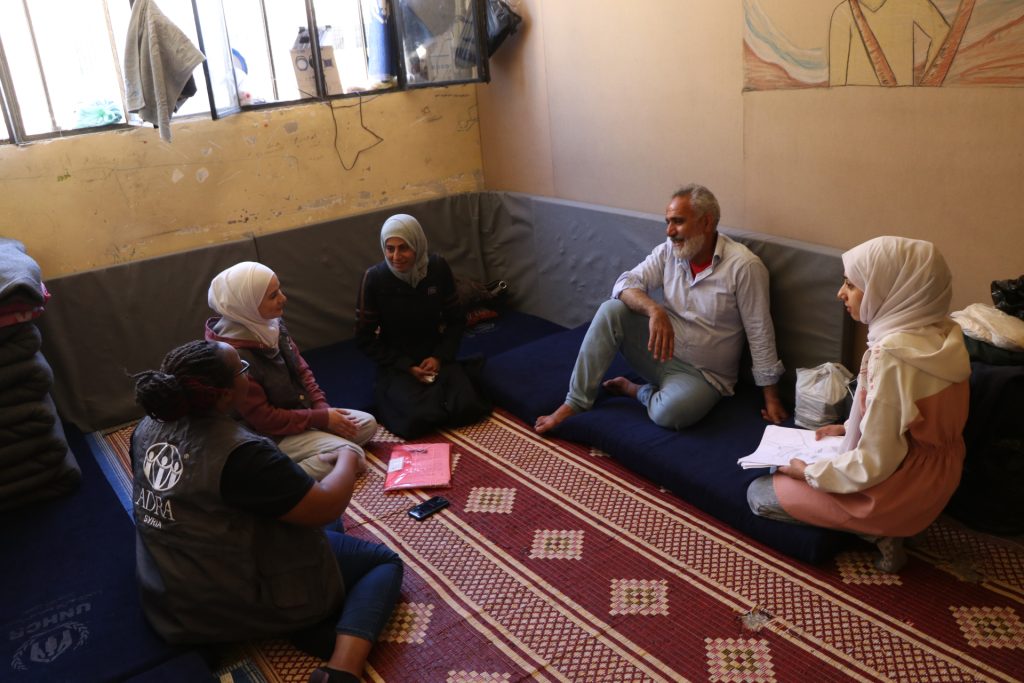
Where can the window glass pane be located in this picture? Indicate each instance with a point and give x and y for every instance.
(75, 52)
(265, 72)
(438, 41)
(180, 13)
(219, 65)
(355, 41)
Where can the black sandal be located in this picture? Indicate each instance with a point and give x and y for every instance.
(326, 674)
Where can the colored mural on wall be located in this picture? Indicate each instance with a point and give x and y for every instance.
(883, 43)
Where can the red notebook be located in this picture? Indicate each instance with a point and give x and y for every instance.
(419, 466)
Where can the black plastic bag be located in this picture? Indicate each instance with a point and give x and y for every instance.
(502, 22)
(1008, 296)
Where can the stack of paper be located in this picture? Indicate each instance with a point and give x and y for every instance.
(419, 466)
(779, 445)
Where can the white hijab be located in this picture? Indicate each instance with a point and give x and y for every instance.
(907, 286)
(906, 283)
(409, 229)
(236, 294)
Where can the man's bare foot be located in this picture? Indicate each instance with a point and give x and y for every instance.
(545, 423)
(620, 386)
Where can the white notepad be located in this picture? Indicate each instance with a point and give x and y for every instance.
(779, 445)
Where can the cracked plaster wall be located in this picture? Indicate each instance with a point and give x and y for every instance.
(98, 199)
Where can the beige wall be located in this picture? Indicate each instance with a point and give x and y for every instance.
(93, 200)
(617, 103)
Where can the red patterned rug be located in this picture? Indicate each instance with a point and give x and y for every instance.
(554, 563)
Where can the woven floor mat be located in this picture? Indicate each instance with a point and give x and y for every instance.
(555, 563)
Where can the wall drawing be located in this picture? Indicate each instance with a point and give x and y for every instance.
(882, 43)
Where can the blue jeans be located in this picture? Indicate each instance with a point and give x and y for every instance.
(372, 574)
(764, 503)
(676, 394)
(373, 578)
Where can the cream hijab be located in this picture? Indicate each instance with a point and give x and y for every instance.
(906, 284)
(236, 294)
(409, 229)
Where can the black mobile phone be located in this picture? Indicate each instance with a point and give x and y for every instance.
(427, 508)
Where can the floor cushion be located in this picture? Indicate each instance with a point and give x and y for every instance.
(698, 464)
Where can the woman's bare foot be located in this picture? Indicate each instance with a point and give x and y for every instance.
(545, 423)
(620, 386)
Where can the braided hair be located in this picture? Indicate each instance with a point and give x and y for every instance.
(190, 381)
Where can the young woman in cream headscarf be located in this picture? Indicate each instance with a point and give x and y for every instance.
(903, 450)
(408, 319)
(284, 400)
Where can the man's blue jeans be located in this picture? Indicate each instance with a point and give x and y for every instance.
(676, 394)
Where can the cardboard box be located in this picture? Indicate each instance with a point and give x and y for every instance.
(305, 73)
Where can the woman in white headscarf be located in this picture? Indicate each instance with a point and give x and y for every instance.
(903, 448)
(284, 400)
(409, 320)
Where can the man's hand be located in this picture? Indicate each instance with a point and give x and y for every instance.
(663, 338)
(829, 430)
(662, 342)
(340, 424)
(795, 469)
(773, 410)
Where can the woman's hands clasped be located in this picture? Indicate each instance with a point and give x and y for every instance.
(427, 370)
(344, 457)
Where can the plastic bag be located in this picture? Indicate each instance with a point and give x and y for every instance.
(502, 21)
(1008, 296)
(821, 394)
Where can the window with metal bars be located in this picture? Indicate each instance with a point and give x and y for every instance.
(61, 62)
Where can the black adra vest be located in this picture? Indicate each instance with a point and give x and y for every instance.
(210, 572)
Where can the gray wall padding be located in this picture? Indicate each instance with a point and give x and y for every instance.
(321, 266)
(811, 325)
(567, 255)
(560, 258)
(101, 324)
(563, 257)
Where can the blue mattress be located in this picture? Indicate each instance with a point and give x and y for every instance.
(697, 464)
(70, 607)
(346, 374)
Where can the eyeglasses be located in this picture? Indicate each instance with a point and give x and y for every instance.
(245, 368)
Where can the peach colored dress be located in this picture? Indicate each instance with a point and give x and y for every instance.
(906, 464)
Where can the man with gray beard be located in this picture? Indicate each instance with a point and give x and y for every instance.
(688, 348)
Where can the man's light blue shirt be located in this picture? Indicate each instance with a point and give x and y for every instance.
(711, 312)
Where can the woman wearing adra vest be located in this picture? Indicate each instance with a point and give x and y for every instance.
(284, 400)
(230, 544)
